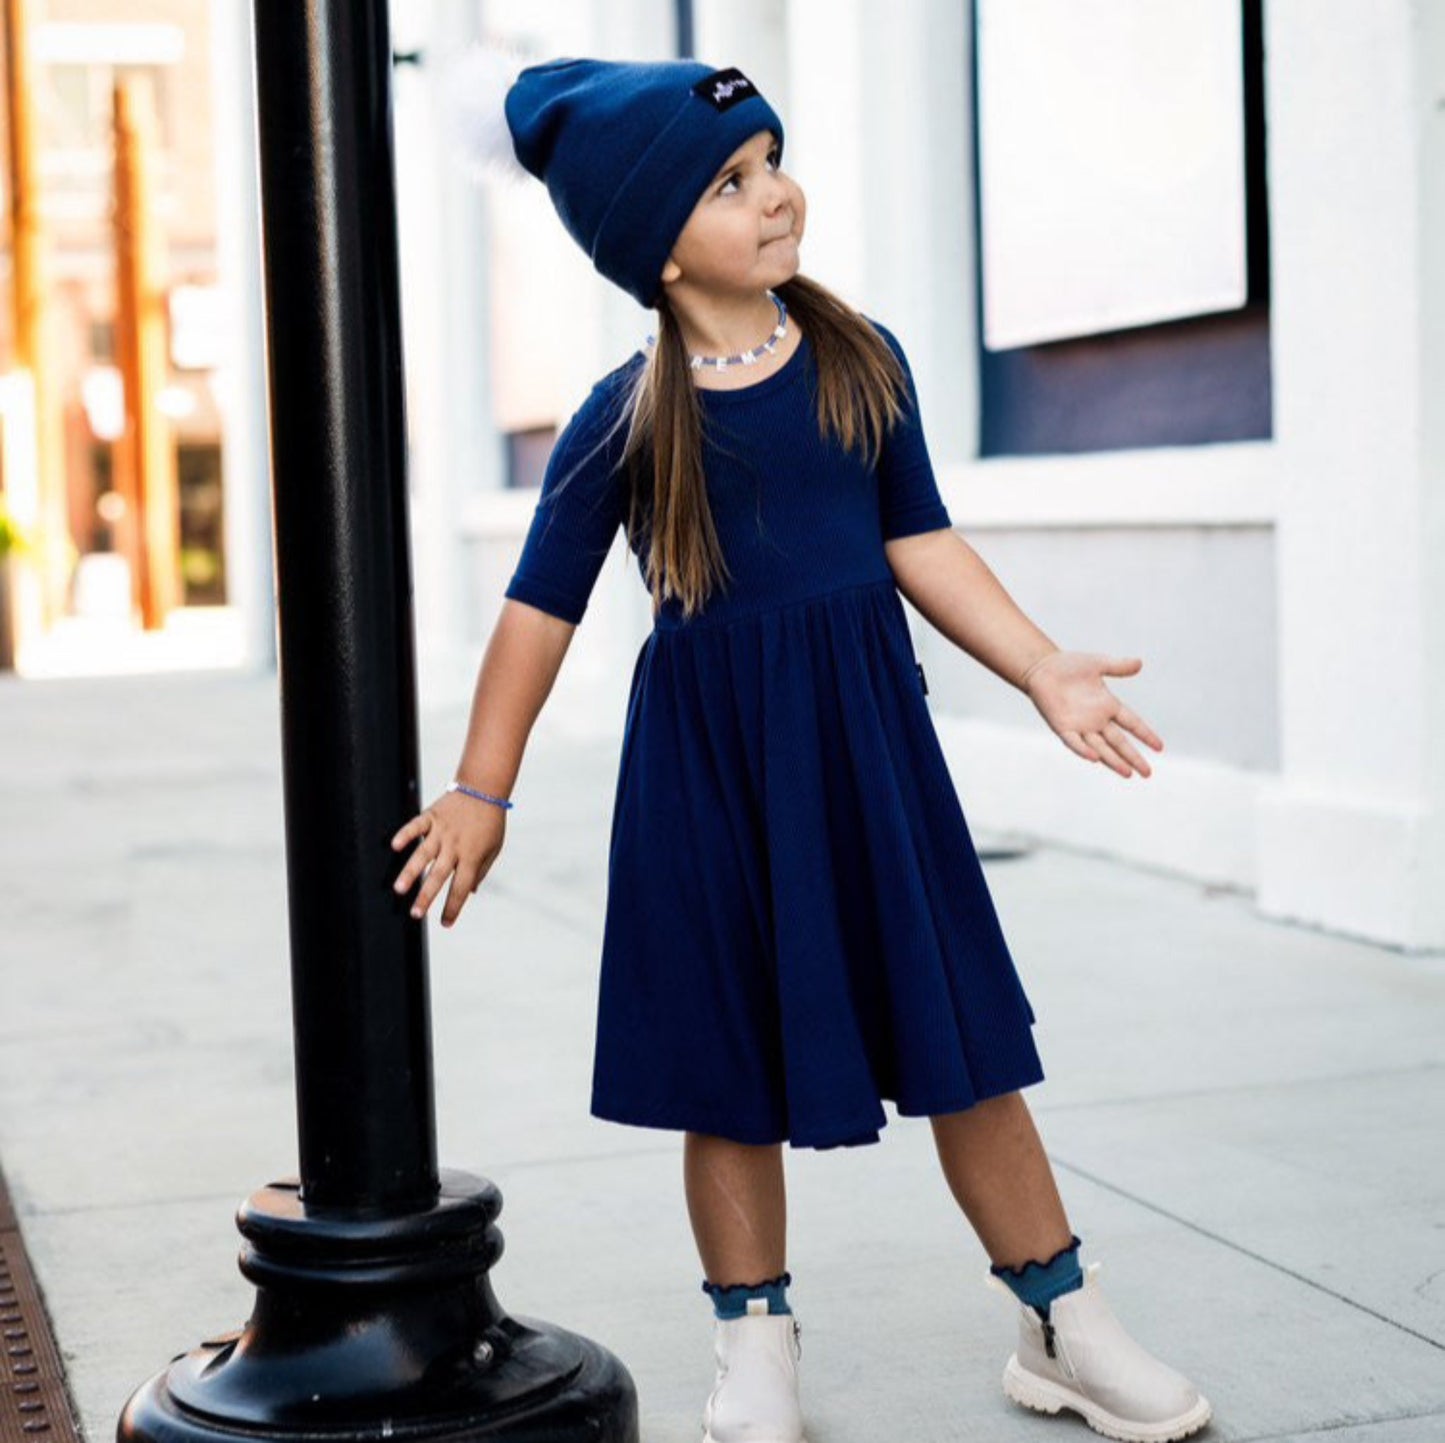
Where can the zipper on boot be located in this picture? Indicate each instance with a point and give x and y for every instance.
(1054, 1351)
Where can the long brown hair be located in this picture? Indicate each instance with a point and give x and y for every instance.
(860, 396)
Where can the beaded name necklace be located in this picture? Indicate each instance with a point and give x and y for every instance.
(746, 358)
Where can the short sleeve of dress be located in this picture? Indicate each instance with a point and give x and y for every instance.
(581, 505)
(908, 497)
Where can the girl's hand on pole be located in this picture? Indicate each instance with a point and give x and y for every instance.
(1068, 689)
(458, 837)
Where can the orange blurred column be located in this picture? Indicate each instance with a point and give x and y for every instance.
(34, 346)
(145, 458)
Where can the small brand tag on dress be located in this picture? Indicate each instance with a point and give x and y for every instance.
(757, 1305)
(923, 680)
(724, 89)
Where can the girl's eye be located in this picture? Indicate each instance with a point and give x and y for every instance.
(773, 156)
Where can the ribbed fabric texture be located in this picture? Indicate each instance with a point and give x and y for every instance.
(1038, 1282)
(797, 923)
(627, 148)
(785, 500)
(730, 1300)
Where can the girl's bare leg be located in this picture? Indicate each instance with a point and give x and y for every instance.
(737, 1204)
(1000, 1176)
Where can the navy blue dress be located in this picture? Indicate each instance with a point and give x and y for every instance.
(797, 923)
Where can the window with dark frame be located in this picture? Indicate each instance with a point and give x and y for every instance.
(1190, 381)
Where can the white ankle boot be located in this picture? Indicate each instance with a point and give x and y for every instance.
(1084, 1360)
(755, 1398)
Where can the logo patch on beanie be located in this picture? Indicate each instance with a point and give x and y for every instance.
(724, 89)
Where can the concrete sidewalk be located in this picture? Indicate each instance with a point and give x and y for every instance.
(1246, 1119)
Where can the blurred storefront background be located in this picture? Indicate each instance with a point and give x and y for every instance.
(1170, 275)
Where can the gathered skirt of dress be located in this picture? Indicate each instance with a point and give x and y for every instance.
(797, 921)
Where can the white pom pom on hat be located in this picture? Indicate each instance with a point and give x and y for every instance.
(472, 86)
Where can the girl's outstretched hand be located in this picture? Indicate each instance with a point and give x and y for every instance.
(1068, 689)
(458, 837)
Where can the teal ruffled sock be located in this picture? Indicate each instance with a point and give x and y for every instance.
(1039, 1283)
(731, 1300)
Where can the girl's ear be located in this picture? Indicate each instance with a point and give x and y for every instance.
(671, 271)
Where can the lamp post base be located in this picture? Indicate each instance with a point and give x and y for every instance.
(382, 1327)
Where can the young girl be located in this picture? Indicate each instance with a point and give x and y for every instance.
(797, 923)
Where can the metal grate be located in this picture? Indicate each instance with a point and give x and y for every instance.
(34, 1405)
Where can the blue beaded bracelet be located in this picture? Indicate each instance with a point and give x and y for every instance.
(480, 796)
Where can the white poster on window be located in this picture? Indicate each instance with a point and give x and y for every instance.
(1111, 164)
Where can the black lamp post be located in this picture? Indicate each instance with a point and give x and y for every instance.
(374, 1314)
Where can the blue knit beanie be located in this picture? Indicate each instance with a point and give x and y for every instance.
(626, 149)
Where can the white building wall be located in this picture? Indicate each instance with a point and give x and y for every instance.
(241, 378)
(1349, 832)
(1285, 595)
(1428, 51)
